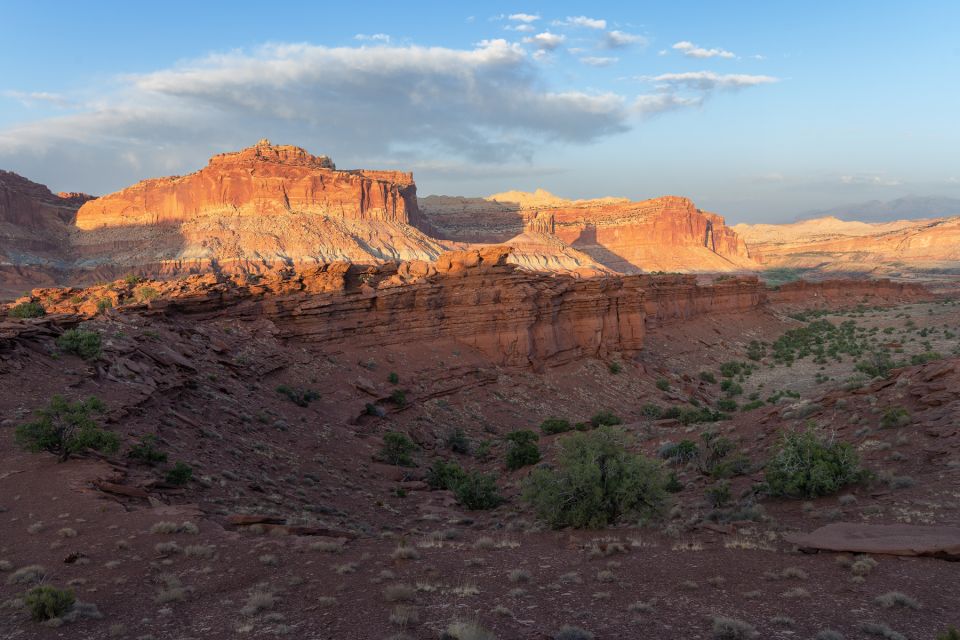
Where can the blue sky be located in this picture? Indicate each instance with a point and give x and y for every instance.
(758, 111)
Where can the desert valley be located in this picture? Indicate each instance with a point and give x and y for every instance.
(479, 321)
(285, 398)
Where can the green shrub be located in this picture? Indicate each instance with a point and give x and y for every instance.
(477, 491)
(719, 494)
(179, 474)
(756, 351)
(730, 369)
(951, 633)
(895, 417)
(27, 310)
(523, 449)
(727, 404)
(131, 279)
(393, 378)
(651, 410)
(146, 451)
(615, 367)
(605, 419)
(673, 484)
(46, 602)
(596, 482)
(806, 466)
(750, 406)
(103, 304)
(147, 293)
(681, 452)
(299, 397)
(457, 441)
(555, 425)
(397, 448)
(706, 376)
(81, 342)
(65, 428)
(663, 384)
(399, 397)
(483, 450)
(444, 475)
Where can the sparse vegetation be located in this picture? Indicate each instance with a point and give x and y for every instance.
(46, 602)
(29, 309)
(733, 629)
(81, 342)
(397, 449)
(555, 425)
(477, 491)
(146, 451)
(299, 397)
(806, 466)
(596, 482)
(523, 450)
(66, 428)
(179, 474)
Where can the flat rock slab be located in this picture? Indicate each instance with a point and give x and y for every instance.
(939, 541)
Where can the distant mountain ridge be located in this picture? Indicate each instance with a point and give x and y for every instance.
(906, 208)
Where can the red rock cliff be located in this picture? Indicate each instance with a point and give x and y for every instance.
(33, 221)
(847, 293)
(260, 180)
(662, 234)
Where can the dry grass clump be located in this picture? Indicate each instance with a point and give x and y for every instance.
(200, 550)
(568, 632)
(5, 565)
(605, 576)
(465, 590)
(399, 592)
(460, 630)
(571, 578)
(269, 559)
(733, 629)
(502, 611)
(260, 599)
(828, 634)
(404, 616)
(326, 601)
(35, 528)
(604, 547)
(486, 542)
(67, 532)
(716, 581)
(794, 572)
(171, 590)
(896, 599)
(343, 569)
(167, 527)
(166, 548)
(798, 592)
(640, 607)
(881, 630)
(863, 565)
(519, 575)
(405, 552)
(27, 574)
(602, 595)
(782, 621)
(327, 546)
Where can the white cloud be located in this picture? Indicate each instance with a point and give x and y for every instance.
(31, 98)
(484, 104)
(546, 40)
(582, 21)
(523, 17)
(654, 103)
(599, 61)
(870, 180)
(376, 37)
(691, 50)
(522, 27)
(708, 80)
(617, 39)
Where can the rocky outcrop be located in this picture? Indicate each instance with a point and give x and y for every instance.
(33, 221)
(847, 293)
(674, 298)
(514, 317)
(662, 234)
(832, 245)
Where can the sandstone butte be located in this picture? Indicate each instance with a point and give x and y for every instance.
(663, 234)
(830, 244)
